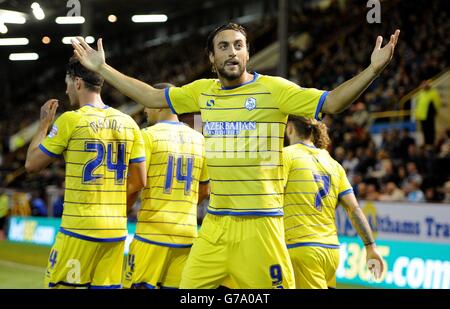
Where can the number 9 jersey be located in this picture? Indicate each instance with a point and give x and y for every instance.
(97, 145)
(314, 183)
(175, 166)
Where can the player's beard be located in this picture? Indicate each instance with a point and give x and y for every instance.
(222, 72)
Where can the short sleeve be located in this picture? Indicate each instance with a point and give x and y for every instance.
(184, 99)
(204, 175)
(344, 185)
(295, 100)
(287, 162)
(148, 145)
(138, 149)
(58, 139)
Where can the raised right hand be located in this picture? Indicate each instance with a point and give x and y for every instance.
(90, 58)
(48, 111)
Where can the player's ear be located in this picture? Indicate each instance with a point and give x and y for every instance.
(289, 128)
(77, 83)
(211, 58)
(248, 52)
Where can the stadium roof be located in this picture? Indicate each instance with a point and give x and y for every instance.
(96, 13)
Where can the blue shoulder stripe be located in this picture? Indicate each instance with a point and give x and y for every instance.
(48, 152)
(169, 102)
(137, 160)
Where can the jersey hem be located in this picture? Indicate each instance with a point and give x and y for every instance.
(88, 238)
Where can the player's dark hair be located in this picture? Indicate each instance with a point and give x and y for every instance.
(92, 80)
(307, 128)
(229, 26)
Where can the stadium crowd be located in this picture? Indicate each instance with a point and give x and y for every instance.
(392, 168)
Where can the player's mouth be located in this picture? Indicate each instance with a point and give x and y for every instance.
(232, 63)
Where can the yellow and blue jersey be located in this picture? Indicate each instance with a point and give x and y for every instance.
(314, 183)
(244, 131)
(97, 145)
(175, 166)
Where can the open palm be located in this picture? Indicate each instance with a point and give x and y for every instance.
(90, 58)
(382, 56)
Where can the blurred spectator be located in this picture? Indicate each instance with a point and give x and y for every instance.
(427, 106)
(38, 207)
(350, 163)
(392, 193)
(361, 117)
(20, 204)
(413, 174)
(414, 194)
(447, 192)
(58, 206)
(362, 191)
(405, 141)
(372, 192)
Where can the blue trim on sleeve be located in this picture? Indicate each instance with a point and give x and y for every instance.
(168, 288)
(137, 237)
(166, 93)
(68, 233)
(255, 77)
(145, 284)
(137, 160)
(48, 152)
(105, 287)
(319, 106)
(247, 213)
(312, 244)
(348, 191)
(203, 182)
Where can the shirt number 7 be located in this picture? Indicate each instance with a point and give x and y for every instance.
(323, 191)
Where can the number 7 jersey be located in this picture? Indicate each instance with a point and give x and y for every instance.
(175, 166)
(97, 145)
(314, 183)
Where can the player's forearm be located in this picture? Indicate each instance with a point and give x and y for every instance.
(361, 226)
(30, 163)
(136, 90)
(131, 199)
(345, 94)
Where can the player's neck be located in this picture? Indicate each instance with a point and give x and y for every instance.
(172, 118)
(92, 99)
(297, 140)
(244, 78)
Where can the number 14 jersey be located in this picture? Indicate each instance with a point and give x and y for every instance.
(175, 166)
(97, 145)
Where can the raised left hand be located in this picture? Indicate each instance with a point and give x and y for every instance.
(382, 56)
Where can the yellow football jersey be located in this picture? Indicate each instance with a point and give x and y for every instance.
(244, 131)
(314, 183)
(176, 164)
(97, 144)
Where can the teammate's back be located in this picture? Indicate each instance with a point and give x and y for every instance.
(104, 155)
(176, 164)
(100, 144)
(314, 183)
